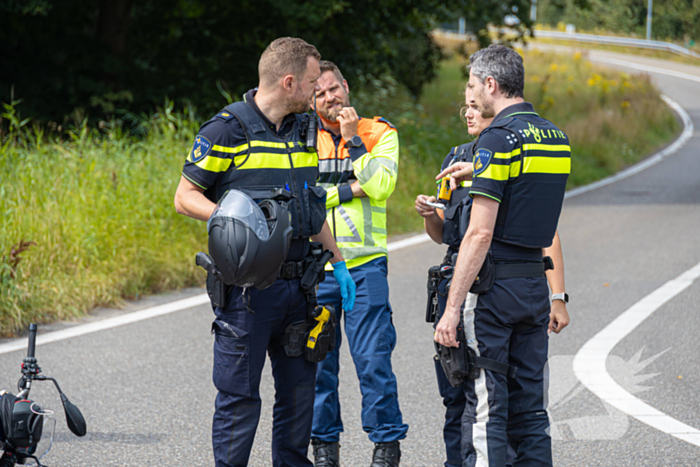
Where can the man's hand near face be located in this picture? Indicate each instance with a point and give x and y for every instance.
(348, 120)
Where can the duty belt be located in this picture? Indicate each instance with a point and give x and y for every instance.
(523, 270)
(508, 270)
(292, 269)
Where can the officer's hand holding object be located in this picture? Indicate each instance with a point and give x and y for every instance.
(446, 330)
(347, 286)
(422, 208)
(461, 172)
(348, 120)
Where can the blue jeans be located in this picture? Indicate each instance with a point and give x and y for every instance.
(371, 337)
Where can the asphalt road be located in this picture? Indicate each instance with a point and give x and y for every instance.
(146, 392)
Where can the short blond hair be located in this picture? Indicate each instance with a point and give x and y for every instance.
(327, 65)
(286, 55)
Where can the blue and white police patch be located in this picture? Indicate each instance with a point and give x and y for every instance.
(201, 148)
(482, 159)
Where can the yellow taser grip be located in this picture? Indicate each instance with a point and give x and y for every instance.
(445, 194)
(322, 320)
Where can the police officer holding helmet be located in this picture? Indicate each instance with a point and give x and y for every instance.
(519, 172)
(256, 159)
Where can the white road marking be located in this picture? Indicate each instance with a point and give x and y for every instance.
(108, 323)
(590, 369)
(406, 242)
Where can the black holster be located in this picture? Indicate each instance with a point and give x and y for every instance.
(314, 337)
(435, 275)
(485, 277)
(461, 363)
(217, 289)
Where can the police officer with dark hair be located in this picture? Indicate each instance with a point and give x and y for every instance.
(261, 148)
(498, 302)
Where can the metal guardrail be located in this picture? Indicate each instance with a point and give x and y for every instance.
(592, 38)
(611, 40)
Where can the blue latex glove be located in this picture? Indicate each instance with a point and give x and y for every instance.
(347, 286)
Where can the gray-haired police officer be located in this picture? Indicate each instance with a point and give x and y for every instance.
(260, 148)
(521, 164)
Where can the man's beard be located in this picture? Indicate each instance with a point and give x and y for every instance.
(299, 106)
(332, 114)
(485, 107)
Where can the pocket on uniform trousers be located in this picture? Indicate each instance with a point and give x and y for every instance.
(231, 359)
(386, 340)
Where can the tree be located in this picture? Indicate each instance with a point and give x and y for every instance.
(99, 56)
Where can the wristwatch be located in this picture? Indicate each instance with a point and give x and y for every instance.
(354, 142)
(561, 296)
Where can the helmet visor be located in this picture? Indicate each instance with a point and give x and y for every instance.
(237, 205)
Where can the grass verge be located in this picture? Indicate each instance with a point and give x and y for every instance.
(88, 217)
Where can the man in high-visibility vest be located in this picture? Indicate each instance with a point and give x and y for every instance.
(358, 164)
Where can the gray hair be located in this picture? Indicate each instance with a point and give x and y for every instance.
(502, 64)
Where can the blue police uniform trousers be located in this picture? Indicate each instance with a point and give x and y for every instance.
(454, 401)
(508, 324)
(243, 332)
(371, 337)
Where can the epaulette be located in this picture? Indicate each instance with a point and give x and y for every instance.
(502, 122)
(384, 120)
(224, 115)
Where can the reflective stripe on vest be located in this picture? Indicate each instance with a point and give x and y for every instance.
(358, 225)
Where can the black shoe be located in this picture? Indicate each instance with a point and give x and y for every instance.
(386, 454)
(326, 454)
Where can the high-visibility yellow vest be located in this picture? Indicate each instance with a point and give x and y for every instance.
(359, 224)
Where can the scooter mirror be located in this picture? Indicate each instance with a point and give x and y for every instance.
(74, 419)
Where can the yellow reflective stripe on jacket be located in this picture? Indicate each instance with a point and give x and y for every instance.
(534, 147)
(496, 172)
(548, 147)
(266, 160)
(227, 150)
(259, 160)
(547, 165)
(214, 164)
(533, 164)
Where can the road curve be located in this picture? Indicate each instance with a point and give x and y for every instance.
(145, 387)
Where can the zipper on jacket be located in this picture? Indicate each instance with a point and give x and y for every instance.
(335, 175)
(294, 186)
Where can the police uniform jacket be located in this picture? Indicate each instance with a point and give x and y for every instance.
(239, 148)
(523, 162)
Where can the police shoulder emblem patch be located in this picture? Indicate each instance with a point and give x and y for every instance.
(482, 159)
(201, 148)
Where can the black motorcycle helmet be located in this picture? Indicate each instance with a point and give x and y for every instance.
(249, 241)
